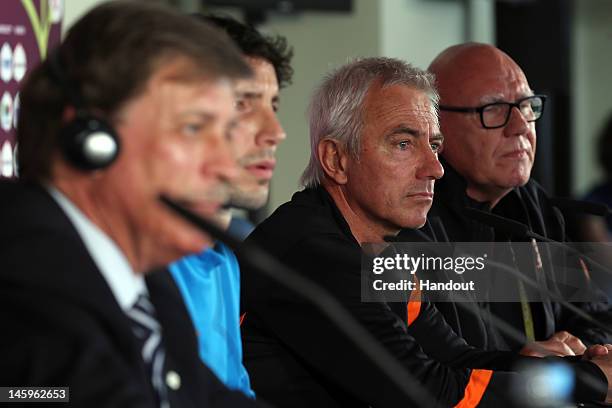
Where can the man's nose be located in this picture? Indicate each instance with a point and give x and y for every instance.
(271, 132)
(517, 123)
(430, 168)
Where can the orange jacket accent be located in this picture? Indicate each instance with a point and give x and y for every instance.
(479, 379)
(414, 303)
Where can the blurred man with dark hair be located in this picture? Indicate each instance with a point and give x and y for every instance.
(83, 225)
(210, 281)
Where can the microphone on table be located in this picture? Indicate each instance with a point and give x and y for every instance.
(519, 230)
(582, 206)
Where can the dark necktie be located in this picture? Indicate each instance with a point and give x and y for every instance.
(147, 331)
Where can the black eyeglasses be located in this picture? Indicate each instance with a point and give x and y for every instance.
(495, 115)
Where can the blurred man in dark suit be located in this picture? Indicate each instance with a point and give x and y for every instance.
(136, 103)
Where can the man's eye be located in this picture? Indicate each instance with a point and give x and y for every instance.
(242, 105)
(436, 147)
(496, 108)
(403, 145)
(192, 129)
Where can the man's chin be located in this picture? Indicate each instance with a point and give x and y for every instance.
(249, 200)
(515, 180)
(415, 222)
(517, 176)
(195, 244)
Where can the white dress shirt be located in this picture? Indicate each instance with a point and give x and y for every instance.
(125, 284)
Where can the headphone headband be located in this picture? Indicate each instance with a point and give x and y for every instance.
(87, 141)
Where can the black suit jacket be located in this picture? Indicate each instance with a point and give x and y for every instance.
(63, 326)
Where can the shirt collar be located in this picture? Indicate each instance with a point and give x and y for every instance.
(125, 284)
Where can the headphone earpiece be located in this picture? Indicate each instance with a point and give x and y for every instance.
(87, 141)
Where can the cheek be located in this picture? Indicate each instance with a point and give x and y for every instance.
(243, 138)
(492, 145)
(173, 154)
(460, 151)
(381, 184)
(240, 152)
(457, 132)
(486, 152)
(173, 158)
(532, 138)
(173, 169)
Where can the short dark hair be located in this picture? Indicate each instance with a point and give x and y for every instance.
(252, 43)
(108, 57)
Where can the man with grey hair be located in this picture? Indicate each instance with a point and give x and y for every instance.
(375, 139)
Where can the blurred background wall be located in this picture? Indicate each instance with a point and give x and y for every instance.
(416, 30)
(591, 85)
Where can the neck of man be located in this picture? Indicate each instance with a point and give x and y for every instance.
(491, 195)
(82, 193)
(223, 218)
(363, 228)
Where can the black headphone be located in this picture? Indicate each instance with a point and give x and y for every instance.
(88, 141)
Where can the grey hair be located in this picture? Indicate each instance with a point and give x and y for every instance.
(335, 110)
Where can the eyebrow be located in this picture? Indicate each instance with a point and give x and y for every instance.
(437, 137)
(249, 94)
(499, 98)
(492, 99)
(205, 116)
(254, 95)
(403, 129)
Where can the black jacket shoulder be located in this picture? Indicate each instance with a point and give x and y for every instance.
(67, 329)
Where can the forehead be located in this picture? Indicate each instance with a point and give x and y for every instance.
(175, 81)
(399, 104)
(483, 75)
(264, 75)
(169, 97)
(175, 92)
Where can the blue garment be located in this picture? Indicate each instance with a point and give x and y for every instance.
(240, 228)
(210, 285)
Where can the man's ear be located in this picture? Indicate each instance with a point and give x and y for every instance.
(334, 160)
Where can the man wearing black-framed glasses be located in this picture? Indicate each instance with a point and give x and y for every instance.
(497, 114)
(487, 116)
(488, 110)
